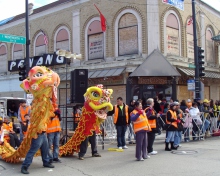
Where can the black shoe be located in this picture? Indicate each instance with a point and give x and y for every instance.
(172, 146)
(167, 146)
(96, 155)
(57, 160)
(48, 165)
(24, 170)
(50, 161)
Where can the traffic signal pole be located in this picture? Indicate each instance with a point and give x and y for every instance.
(27, 37)
(197, 83)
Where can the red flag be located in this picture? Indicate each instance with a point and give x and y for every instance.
(190, 21)
(103, 20)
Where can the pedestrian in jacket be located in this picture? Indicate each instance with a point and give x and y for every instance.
(141, 127)
(121, 121)
(171, 120)
(152, 116)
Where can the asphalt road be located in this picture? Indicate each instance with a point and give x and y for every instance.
(199, 158)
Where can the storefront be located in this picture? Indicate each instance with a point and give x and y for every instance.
(154, 77)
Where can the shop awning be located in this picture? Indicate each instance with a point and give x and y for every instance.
(105, 73)
(191, 72)
(155, 65)
(216, 38)
(97, 73)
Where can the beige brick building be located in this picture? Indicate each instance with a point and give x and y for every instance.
(134, 30)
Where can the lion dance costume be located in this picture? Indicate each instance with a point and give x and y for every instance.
(42, 82)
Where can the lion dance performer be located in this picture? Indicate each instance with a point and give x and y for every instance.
(42, 83)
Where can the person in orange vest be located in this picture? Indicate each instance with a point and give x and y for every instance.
(53, 135)
(25, 125)
(141, 127)
(23, 109)
(8, 127)
(152, 116)
(171, 120)
(121, 121)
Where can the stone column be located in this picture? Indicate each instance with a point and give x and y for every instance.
(153, 25)
(76, 31)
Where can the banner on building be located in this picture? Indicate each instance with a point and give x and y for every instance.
(44, 60)
(173, 41)
(96, 46)
(176, 3)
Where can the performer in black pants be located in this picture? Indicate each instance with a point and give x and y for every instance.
(84, 146)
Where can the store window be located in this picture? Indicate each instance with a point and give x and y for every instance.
(95, 40)
(128, 35)
(3, 58)
(40, 46)
(172, 35)
(18, 52)
(62, 40)
(209, 47)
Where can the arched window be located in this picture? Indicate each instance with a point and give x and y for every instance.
(172, 35)
(62, 39)
(209, 46)
(40, 46)
(18, 52)
(128, 35)
(3, 58)
(190, 42)
(95, 40)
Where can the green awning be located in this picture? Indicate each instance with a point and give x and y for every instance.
(216, 38)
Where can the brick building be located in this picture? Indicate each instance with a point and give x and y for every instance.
(135, 30)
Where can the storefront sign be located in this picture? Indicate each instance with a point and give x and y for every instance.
(190, 46)
(45, 60)
(176, 3)
(96, 46)
(152, 80)
(173, 41)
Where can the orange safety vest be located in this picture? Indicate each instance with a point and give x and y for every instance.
(54, 125)
(116, 114)
(23, 112)
(174, 116)
(8, 127)
(153, 122)
(141, 123)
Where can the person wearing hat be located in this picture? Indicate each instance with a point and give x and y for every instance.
(189, 103)
(171, 120)
(205, 108)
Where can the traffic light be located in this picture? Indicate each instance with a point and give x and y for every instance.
(22, 72)
(201, 61)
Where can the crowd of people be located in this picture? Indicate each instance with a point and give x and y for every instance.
(143, 118)
(146, 118)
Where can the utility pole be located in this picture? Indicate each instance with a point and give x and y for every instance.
(197, 82)
(27, 37)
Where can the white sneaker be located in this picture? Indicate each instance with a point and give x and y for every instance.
(142, 159)
(147, 157)
(119, 147)
(125, 147)
(153, 153)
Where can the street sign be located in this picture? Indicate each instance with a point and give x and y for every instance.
(191, 84)
(12, 39)
(192, 66)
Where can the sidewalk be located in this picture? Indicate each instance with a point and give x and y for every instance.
(199, 158)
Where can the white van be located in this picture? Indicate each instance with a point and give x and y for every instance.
(6, 103)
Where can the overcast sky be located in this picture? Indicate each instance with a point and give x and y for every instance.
(9, 8)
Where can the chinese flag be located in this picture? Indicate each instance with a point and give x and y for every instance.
(103, 20)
